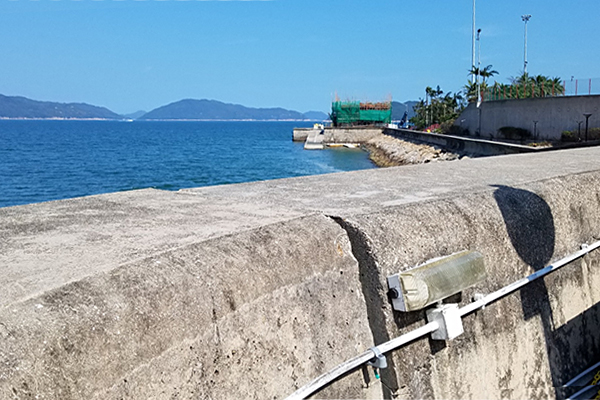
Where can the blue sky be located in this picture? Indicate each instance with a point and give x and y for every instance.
(129, 55)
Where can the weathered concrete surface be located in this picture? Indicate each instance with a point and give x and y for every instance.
(462, 145)
(359, 134)
(240, 314)
(554, 115)
(314, 141)
(519, 347)
(350, 135)
(300, 134)
(251, 290)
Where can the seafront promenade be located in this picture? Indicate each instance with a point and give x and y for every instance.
(252, 290)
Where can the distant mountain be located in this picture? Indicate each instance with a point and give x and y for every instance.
(316, 116)
(216, 110)
(135, 115)
(22, 107)
(398, 109)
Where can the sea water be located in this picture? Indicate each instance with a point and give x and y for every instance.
(52, 160)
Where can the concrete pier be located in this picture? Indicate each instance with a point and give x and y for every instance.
(252, 290)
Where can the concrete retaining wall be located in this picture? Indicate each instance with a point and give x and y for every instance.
(252, 290)
(460, 145)
(340, 135)
(524, 346)
(554, 115)
(351, 135)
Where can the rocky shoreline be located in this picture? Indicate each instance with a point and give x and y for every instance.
(388, 151)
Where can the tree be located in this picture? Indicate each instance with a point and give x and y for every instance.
(485, 73)
(471, 87)
(437, 108)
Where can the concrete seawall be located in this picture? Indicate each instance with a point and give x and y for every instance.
(339, 135)
(252, 290)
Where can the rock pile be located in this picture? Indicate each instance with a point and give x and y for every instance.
(387, 151)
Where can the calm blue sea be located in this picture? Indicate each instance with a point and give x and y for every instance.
(51, 160)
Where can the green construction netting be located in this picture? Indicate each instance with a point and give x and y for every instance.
(351, 112)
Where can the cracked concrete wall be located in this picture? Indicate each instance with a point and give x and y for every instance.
(250, 291)
(523, 346)
(246, 315)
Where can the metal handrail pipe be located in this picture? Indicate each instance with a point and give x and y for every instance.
(359, 360)
(505, 291)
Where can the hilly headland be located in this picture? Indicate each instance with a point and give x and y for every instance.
(18, 107)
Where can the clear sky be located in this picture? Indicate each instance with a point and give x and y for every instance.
(131, 55)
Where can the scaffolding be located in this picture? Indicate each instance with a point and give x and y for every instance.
(352, 113)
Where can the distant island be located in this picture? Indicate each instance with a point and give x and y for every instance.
(17, 107)
(190, 109)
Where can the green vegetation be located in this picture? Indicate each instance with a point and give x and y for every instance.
(513, 133)
(525, 86)
(439, 111)
(576, 136)
(437, 108)
(470, 88)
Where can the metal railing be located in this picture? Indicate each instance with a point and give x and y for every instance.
(552, 88)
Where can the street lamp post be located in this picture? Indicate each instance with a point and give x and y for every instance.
(587, 117)
(525, 19)
(579, 130)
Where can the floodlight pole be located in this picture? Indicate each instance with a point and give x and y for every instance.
(478, 86)
(478, 66)
(473, 47)
(525, 19)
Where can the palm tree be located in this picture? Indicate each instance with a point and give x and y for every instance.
(526, 86)
(485, 73)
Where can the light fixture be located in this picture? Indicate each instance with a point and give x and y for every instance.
(435, 280)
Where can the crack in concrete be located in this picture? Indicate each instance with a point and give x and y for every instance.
(373, 292)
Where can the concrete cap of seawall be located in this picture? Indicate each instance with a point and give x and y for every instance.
(97, 233)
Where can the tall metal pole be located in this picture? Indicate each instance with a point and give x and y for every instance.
(525, 19)
(478, 67)
(473, 49)
(479, 87)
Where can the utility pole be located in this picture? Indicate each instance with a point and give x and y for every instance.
(525, 19)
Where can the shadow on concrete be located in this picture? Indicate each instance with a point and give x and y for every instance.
(584, 348)
(530, 226)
